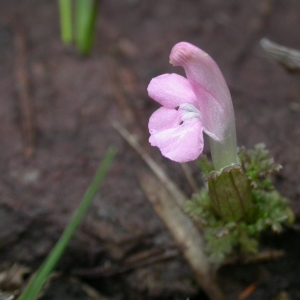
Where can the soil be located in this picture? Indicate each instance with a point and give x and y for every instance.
(54, 134)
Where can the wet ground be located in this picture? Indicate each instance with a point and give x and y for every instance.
(55, 126)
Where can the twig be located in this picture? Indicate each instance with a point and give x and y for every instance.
(120, 95)
(167, 200)
(261, 256)
(184, 232)
(288, 57)
(144, 255)
(264, 256)
(189, 177)
(247, 291)
(23, 89)
(134, 262)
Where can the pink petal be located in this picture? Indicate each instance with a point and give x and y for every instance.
(163, 118)
(212, 114)
(182, 143)
(209, 86)
(171, 90)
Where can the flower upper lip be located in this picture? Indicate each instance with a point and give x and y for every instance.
(209, 86)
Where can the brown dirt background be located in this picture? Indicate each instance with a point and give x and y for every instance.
(74, 101)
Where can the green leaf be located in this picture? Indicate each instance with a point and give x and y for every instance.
(86, 13)
(36, 284)
(65, 13)
(258, 165)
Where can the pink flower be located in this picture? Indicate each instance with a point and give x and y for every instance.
(200, 102)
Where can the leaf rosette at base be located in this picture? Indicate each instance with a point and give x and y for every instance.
(240, 203)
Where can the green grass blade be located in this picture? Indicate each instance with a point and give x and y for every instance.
(36, 284)
(65, 13)
(85, 15)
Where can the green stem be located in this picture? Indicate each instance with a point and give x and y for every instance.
(224, 153)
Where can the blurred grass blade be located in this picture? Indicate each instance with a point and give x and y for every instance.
(65, 13)
(85, 14)
(37, 282)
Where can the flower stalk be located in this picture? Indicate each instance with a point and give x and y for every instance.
(224, 153)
